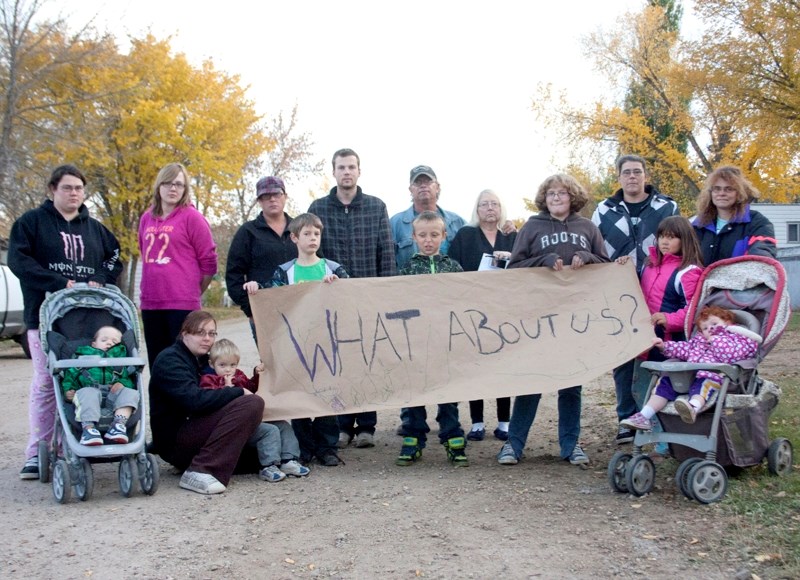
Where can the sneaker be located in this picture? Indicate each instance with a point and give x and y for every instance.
(476, 434)
(686, 410)
(91, 436)
(204, 483)
(365, 440)
(272, 474)
(578, 457)
(31, 469)
(294, 469)
(638, 422)
(118, 433)
(507, 455)
(624, 435)
(501, 434)
(344, 440)
(455, 447)
(329, 459)
(410, 452)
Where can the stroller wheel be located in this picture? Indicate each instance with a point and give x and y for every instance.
(148, 477)
(707, 481)
(44, 461)
(780, 457)
(682, 476)
(62, 482)
(640, 475)
(85, 484)
(128, 473)
(616, 471)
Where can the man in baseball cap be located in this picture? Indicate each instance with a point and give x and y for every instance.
(424, 188)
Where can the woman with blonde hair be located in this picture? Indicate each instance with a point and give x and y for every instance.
(178, 257)
(484, 236)
(725, 225)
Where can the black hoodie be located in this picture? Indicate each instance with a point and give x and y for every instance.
(543, 239)
(45, 251)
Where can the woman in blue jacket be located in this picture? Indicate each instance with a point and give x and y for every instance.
(725, 224)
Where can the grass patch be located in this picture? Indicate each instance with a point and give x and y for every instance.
(767, 507)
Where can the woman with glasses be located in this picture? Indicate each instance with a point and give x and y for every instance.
(178, 257)
(725, 224)
(482, 236)
(556, 238)
(201, 431)
(51, 248)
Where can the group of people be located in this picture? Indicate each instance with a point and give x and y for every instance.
(203, 418)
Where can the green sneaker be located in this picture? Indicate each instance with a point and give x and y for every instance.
(455, 447)
(410, 452)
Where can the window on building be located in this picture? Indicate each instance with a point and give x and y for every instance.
(793, 233)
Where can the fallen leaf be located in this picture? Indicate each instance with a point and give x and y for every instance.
(649, 537)
(702, 554)
(694, 541)
(289, 561)
(636, 506)
(311, 566)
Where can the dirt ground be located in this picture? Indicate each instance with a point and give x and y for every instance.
(542, 518)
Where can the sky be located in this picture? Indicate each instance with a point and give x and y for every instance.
(442, 83)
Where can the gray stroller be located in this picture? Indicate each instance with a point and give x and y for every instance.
(69, 318)
(733, 433)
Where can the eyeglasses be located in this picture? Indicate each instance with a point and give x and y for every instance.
(555, 194)
(629, 172)
(71, 188)
(486, 204)
(204, 333)
(726, 189)
(179, 185)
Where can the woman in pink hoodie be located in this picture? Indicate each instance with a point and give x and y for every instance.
(178, 256)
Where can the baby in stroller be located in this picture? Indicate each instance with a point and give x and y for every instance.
(81, 386)
(719, 340)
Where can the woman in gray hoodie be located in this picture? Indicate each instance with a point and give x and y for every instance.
(556, 238)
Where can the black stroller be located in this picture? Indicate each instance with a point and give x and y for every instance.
(735, 431)
(69, 318)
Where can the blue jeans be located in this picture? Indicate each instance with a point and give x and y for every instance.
(569, 420)
(316, 437)
(447, 417)
(366, 423)
(623, 383)
(274, 441)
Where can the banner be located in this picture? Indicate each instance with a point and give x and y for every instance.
(380, 343)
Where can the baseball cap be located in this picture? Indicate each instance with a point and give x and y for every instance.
(269, 184)
(422, 170)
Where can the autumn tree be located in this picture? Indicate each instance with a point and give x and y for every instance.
(740, 82)
(35, 91)
(290, 157)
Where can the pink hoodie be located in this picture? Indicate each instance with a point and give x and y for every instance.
(176, 252)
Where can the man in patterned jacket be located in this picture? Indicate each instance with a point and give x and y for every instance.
(628, 221)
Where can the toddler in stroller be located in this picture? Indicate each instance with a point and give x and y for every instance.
(82, 388)
(104, 383)
(719, 341)
(734, 433)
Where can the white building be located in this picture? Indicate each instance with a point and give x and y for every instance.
(786, 219)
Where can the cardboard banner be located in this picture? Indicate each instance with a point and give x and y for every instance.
(381, 343)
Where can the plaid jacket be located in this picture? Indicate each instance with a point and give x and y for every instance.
(358, 235)
(621, 237)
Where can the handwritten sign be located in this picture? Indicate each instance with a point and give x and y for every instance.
(379, 343)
